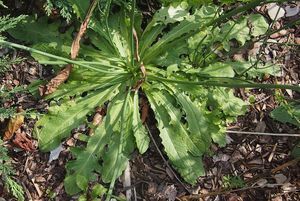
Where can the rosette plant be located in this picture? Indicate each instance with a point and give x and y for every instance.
(174, 62)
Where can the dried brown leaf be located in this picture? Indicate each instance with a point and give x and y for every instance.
(145, 110)
(13, 125)
(83, 27)
(64, 74)
(76, 42)
(54, 83)
(22, 141)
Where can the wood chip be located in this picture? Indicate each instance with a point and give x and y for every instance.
(280, 178)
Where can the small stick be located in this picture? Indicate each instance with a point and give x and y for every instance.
(215, 193)
(259, 133)
(285, 165)
(272, 153)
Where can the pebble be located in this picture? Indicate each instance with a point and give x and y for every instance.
(275, 12)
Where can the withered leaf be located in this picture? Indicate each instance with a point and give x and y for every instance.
(145, 110)
(97, 119)
(13, 125)
(60, 78)
(64, 74)
(22, 141)
(76, 42)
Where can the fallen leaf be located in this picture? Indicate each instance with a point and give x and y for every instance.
(145, 110)
(170, 192)
(22, 141)
(291, 11)
(76, 42)
(221, 157)
(262, 182)
(280, 178)
(97, 119)
(64, 74)
(54, 154)
(13, 125)
(275, 12)
(152, 188)
(288, 187)
(260, 127)
(60, 78)
(277, 198)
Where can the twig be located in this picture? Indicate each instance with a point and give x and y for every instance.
(127, 181)
(259, 133)
(272, 153)
(292, 162)
(222, 191)
(165, 161)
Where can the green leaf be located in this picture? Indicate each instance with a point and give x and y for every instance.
(98, 191)
(58, 123)
(87, 160)
(81, 80)
(234, 30)
(199, 126)
(182, 31)
(218, 70)
(141, 136)
(167, 15)
(112, 142)
(180, 148)
(81, 182)
(79, 7)
(225, 100)
(287, 113)
(254, 71)
(296, 151)
(121, 144)
(40, 31)
(259, 25)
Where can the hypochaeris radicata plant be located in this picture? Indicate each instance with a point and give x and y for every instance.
(177, 63)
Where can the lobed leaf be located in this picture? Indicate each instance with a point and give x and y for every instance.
(182, 151)
(141, 136)
(60, 120)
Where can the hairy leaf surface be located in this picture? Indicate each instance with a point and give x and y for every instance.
(60, 120)
(182, 151)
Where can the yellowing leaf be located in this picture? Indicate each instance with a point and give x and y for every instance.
(13, 125)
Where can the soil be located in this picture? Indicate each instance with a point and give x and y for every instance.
(254, 158)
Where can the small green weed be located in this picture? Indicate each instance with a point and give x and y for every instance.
(230, 182)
